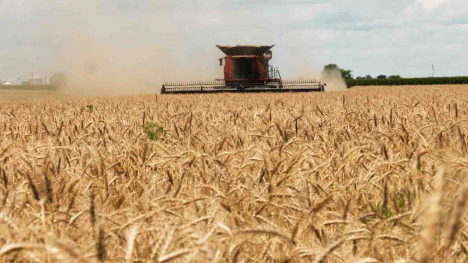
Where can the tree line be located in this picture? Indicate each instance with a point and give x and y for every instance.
(347, 73)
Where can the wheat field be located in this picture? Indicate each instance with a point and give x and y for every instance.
(375, 174)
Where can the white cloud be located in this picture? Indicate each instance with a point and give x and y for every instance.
(309, 12)
(426, 6)
(430, 5)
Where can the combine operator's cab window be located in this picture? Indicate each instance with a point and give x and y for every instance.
(244, 68)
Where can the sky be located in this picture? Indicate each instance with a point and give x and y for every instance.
(149, 41)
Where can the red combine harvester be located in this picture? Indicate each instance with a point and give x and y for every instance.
(246, 69)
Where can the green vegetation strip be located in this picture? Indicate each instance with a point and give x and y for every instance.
(413, 81)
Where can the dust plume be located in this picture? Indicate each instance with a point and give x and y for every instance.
(99, 68)
(306, 68)
(334, 80)
(121, 51)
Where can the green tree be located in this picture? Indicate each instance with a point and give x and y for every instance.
(381, 77)
(330, 67)
(346, 74)
(368, 77)
(394, 77)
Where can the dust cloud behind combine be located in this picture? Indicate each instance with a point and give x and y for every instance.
(106, 69)
(120, 51)
(308, 70)
(333, 80)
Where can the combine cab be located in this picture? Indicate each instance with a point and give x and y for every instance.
(246, 68)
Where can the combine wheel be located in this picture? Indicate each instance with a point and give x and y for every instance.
(240, 87)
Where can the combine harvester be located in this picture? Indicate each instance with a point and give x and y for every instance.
(246, 69)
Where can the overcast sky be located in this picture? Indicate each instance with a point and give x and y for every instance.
(374, 37)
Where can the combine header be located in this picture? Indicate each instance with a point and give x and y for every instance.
(246, 68)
